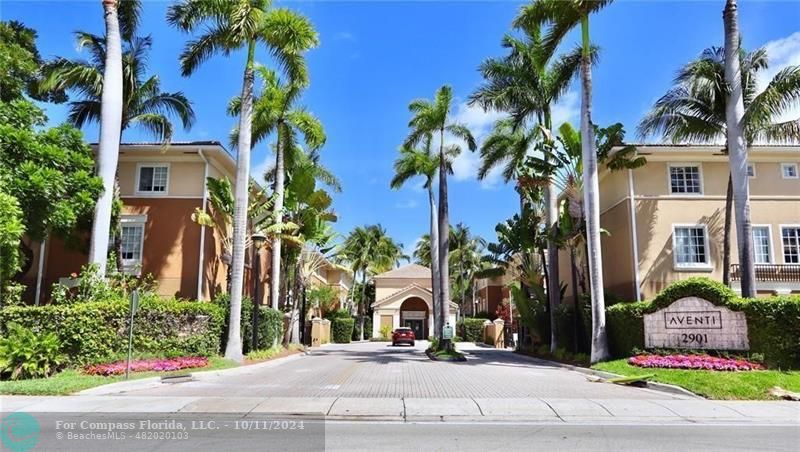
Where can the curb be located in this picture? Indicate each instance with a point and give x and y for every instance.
(155, 382)
(661, 387)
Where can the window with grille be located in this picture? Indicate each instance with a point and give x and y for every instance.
(761, 242)
(153, 179)
(132, 242)
(691, 249)
(790, 237)
(789, 170)
(685, 180)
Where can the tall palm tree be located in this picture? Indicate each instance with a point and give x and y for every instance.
(433, 118)
(694, 110)
(110, 132)
(144, 105)
(467, 259)
(275, 111)
(562, 17)
(227, 26)
(526, 83)
(424, 162)
(369, 250)
(737, 148)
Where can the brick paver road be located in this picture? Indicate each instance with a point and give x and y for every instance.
(377, 370)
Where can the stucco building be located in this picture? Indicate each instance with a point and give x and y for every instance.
(403, 297)
(665, 220)
(160, 188)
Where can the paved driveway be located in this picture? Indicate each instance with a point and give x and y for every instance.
(378, 370)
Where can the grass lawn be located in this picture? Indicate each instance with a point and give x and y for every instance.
(750, 385)
(71, 380)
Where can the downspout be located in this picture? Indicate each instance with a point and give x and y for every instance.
(201, 258)
(634, 241)
(40, 272)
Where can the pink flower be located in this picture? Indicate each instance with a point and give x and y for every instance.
(705, 362)
(144, 365)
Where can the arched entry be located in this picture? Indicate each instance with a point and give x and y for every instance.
(414, 314)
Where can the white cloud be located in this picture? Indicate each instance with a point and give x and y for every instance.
(480, 123)
(781, 53)
(567, 109)
(344, 36)
(257, 171)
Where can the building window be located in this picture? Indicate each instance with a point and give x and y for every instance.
(685, 180)
(751, 170)
(790, 237)
(789, 170)
(152, 179)
(132, 242)
(691, 247)
(761, 245)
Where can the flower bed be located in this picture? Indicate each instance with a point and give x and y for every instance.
(703, 362)
(147, 365)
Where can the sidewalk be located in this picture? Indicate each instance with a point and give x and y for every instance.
(533, 410)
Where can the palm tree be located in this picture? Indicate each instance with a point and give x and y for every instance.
(526, 83)
(467, 259)
(433, 117)
(424, 162)
(422, 253)
(227, 26)
(694, 110)
(563, 17)
(369, 250)
(274, 110)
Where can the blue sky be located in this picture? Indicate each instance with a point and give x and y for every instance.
(376, 56)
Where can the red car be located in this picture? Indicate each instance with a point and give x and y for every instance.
(403, 335)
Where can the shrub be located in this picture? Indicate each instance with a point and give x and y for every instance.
(97, 332)
(713, 291)
(24, 354)
(146, 365)
(264, 354)
(357, 328)
(270, 324)
(386, 332)
(472, 329)
(338, 314)
(342, 330)
(625, 327)
(483, 315)
(90, 287)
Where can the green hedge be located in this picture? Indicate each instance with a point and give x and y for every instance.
(342, 330)
(773, 323)
(270, 324)
(98, 331)
(471, 329)
(367, 328)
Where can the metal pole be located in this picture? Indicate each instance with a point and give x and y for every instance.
(134, 306)
(256, 295)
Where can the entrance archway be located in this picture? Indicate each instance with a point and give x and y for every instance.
(414, 314)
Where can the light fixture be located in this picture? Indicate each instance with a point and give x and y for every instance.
(258, 239)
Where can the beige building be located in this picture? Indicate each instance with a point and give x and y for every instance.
(403, 297)
(665, 220)
(330, 274)
(160, 188)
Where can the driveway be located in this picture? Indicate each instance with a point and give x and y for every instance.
(378, 370)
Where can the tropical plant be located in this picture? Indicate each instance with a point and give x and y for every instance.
(562, 17)
(227, 26)
(20, 65)
(368, 250)
(274, 110)
(323, 299)
(11, 230)
(466, 260)
(432, 118)
(694, 110)
(424, 162)
(25, 354)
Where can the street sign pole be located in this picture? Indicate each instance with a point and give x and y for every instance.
(134, 307)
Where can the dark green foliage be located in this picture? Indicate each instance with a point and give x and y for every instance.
(565, 326)
(338, 314)
(773, 323)
(98, 331)
(483, 315)
(700, 287)
(270, 324)
(471, 329)
(20, 62)
(367, 328)
(342, 330)
(24, 354)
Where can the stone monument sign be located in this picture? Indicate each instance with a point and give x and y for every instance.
(696, 323)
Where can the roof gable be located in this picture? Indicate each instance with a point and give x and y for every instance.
(410, 271)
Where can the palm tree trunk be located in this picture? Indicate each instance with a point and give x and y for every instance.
(435, 269)
(591, 199)
(444, 243)
(277, 215)
(233, 349)
(577, 320)
(553, 281)
(362, 304)
(726, 234)
(110, 131)
(737, 151)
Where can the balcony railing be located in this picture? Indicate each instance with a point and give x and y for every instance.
(770, 273)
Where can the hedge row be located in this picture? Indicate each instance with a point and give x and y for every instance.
(367, 328)
(342, 329)
(270, 324)
(773, 323)
(97, 332)
(471, 329)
